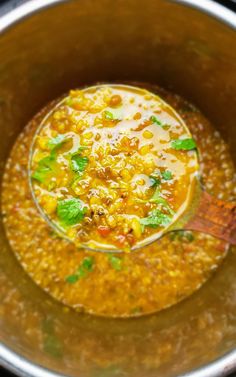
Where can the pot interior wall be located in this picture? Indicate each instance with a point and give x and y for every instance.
(82, 42)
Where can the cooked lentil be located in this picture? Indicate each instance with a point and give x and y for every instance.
(133, 284)
(112, 165)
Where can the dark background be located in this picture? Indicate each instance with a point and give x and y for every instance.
(7, 5)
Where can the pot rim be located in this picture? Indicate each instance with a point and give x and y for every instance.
(10, 359)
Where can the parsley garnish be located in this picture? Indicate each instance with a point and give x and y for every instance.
(183, 144)
(156, 121)
(166, 175)
(115, 262)
(70, 211)
(79, 163)
(156, 218)
(85, 267)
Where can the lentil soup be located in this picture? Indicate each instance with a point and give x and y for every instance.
(112, 165)
(128, 284)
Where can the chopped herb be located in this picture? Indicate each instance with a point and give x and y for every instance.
(45, 165)
(136, 310)
(156, 121)
(108, 115)
(79, 163)
(155, 178)
(157, 198)
(52, 346)
(156, 218)
(56, 142)
(87, 263)
(115, 262)
(80, 149)
(85, 267)
(166, 175)
(189, 236)
(109, 371)
(48, 160)
(182, 235)
(51, 343)
(183, 144)
(172, 235)
(54, 234)
(71, 279)
(47, 325)
(40, 174)
(154, 181)
(70, 211)
(51, 185)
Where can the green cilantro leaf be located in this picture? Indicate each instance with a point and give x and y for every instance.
(88, 263)
(51, 343)
(85, 267)
(157, 198)
(80, 149)
(109, 371)
(52, 346)
(154, 181)
(48, 160)
(155, 219)
(183, 144)
(79, 163)
(115, 262)
(189, 236)
(70, 211)
(56, 142)
(155, 178)
(41, 173)
(136, 310)
(45, 166)
(182, 235)
(156, 121)
(108, 115)
(166, 175)
(72, 279)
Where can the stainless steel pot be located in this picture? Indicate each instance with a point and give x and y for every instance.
(49, 46)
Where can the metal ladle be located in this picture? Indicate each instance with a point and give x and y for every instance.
(204, 213)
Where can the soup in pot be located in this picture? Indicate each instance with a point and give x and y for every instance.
(113, 165)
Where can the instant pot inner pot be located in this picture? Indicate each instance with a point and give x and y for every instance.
(82, 42)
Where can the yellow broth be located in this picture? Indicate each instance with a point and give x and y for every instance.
(112, 165)
(126, 285)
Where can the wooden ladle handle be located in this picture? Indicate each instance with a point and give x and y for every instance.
(215, 217)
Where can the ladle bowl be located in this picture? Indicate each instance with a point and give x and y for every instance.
(201, 212)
